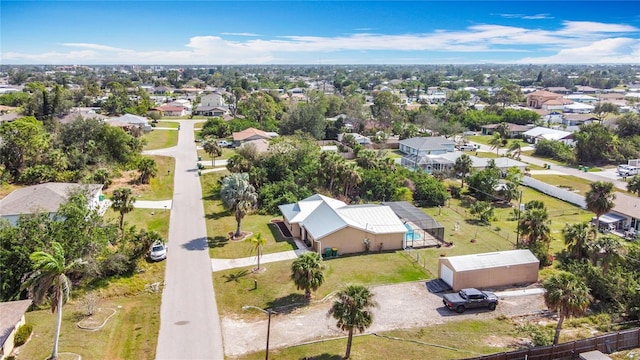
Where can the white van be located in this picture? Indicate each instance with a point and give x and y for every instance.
(627, 170)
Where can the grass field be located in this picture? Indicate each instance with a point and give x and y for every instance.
(275, 289)
(167, 124)
(160, 139)
(443, 341)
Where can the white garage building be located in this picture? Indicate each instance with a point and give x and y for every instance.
(489, 270)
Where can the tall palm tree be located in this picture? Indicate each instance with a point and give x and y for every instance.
(49, 277)
(239, 196)
(306, 272)
(352, 310)
(257, 243)
(633, 186)
(496, 142)
(600, 199)
(351, 177)
(534, 226)
(147, 168)
(577, 238)
(606, 250)
(463, 166)
(210, 145)
(567, 294)
(516, 149)
(122, 202)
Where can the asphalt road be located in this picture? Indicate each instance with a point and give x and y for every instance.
(189, 320)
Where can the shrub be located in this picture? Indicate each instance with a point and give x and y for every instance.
(539, 335)
(22, 335)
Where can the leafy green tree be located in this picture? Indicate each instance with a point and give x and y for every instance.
(577, 237)
(257, 243)
(49, 276)
(24, 143)
(462, 166)
(330, 165)
(594, 144)
(516, 149)
(483, 183)
(604, 109)
(260, 107)
(238, 196)
(600, 199)
(123, 203)
(605, 251)
(215, 127)
(306, 272)
(628, 125)
(306, 118)
(352, 310)
(483, 210)
(210, 145)
(385, 108)
(633, 185)
(428, 190)
(496, 142)
(147, 168)
(568, 295)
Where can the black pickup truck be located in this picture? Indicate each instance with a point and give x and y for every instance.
(469, 299)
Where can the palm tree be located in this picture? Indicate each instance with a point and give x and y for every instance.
(122, 202)
(496, 142)
(600, 199)
(567, 294)
(534, 226)
(606, 250)
(306, 272)
(239, 196)
(49, 277)
(352, 310)
(463, 166)
(633, 186)
(516, 149)
(147, 168)
(577, 238)
(257, 243)
(210, 145)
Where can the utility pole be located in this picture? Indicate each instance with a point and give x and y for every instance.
(518, 220)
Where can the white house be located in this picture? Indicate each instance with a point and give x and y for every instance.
(418, 152)
(537, 133)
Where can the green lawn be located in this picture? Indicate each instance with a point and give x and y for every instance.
(441, 341)
(275, 289)
(567, 182)
(485, 139)
(167, 124)
(220, 222)
(160, 139)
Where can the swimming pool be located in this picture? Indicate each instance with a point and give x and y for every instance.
(411, 234)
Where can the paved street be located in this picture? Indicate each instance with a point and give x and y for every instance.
(189, 320)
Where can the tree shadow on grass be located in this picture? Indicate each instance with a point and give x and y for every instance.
(287, 304)
(217, 241)
(235, 276)
(217, 215)
(324, 356)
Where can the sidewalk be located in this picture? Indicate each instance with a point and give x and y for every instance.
(224, 264)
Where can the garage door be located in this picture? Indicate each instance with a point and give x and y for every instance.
(446, 274)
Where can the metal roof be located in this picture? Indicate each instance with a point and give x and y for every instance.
(491, 260)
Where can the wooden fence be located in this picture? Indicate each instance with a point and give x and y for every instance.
(607, 343)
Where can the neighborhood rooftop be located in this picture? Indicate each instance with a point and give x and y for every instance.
(492, 260)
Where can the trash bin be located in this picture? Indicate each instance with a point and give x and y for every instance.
(579, 167)
(199, 158)
(334, 252)
(586, 169)
(548, 166)
(327, 252)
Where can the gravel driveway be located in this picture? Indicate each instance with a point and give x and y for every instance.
(401, 306)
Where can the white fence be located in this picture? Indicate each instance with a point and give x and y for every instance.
(556, 192)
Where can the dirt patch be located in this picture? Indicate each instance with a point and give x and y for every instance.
(128, 179)
(243, 236)
(500, 341)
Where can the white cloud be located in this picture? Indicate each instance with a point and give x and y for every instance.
(526, 17)
(574, 41)
(240, 34)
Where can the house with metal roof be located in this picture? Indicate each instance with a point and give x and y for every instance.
(489, 270)
(416, 151)
(537, 133)
(47, 198)
(326, 223)
(11, 318)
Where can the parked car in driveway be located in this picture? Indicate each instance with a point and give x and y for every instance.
(224, 143)
(470, 299)
(158, 251)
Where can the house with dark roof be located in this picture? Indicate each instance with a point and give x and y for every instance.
(415, 151)
(11, 318)
(47, 198)
(250, 134)
(513, 130)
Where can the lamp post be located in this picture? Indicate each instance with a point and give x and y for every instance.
(268, 312)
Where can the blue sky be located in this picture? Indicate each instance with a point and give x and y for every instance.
(319, 32)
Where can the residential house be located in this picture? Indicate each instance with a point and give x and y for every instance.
(559, 90)
(360, 139)
(82, 112)
(326, 223)
(416, 151)
(128, 120)
(537, 99)
(251, 134)
(445, 162)
(582, 98)
(577, 119)
(587, 89)
(260, 145)
(513, 130)
(537, 133)
(168, 110)
(47, 198)
(212, 104)
(625, 214)
(11, 318)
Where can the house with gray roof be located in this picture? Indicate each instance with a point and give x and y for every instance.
(47, 198)
(11, 318)
(416, 150)
(131, 120)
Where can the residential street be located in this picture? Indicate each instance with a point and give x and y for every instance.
(189, 320)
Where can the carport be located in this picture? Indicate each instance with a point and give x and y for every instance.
(489, 270)
(423, 230)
